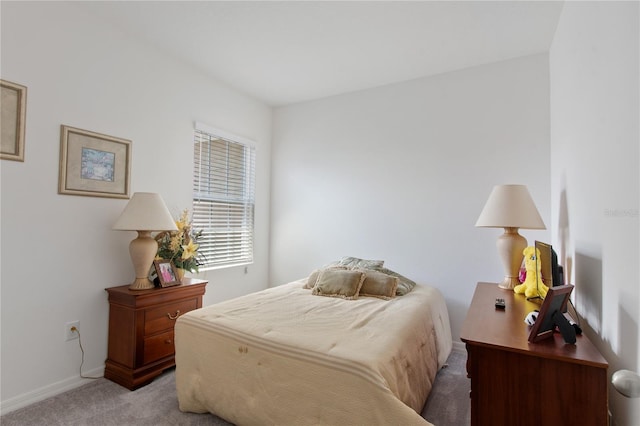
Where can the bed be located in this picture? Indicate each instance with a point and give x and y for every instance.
(284, 356)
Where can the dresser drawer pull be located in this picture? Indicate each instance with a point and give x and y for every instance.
(174, 317)
(168, 341)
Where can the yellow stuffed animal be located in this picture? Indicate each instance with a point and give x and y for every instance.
(532, 285)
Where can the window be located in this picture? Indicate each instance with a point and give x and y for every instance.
(223, 197)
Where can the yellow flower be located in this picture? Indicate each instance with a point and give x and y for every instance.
(175, 242)
(189, 250)
(183, 222)
(180, 245)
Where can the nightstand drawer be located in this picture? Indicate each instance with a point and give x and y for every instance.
(164, 317)
(158, 346)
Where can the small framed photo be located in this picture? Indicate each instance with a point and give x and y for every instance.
(167, 273)
(551, 316)
(14, 113)
(93, 164)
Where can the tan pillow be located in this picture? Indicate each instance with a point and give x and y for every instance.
(311, 280)
(377, 284)
(404, 286)
(343, 283)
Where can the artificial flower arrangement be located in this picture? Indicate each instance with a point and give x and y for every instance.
(181, 246)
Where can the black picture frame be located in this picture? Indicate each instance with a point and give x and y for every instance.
(551, 315)
(167, 273)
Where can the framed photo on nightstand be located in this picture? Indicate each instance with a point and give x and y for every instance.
(167, 273)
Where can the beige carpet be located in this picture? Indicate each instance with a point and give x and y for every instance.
(104, 403)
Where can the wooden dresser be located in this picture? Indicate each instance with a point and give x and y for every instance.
(514, 382)
(141, 324)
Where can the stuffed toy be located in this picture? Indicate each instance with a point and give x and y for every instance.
(532, 285)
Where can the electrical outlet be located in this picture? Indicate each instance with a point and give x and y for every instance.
(71, 330)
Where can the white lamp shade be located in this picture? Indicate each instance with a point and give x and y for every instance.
(510, 206)
(145, 211)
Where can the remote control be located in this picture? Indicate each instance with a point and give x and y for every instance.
(500, 304)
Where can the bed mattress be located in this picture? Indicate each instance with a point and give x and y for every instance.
(283, 356)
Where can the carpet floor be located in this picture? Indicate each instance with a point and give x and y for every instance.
(104, 403)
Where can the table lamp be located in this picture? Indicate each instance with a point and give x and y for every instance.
(510, 207)
(144, 213)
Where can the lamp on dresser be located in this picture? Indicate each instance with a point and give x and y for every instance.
(510, 207)
(144, 213)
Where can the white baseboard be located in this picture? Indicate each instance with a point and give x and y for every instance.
(459, 347)
(48, 391)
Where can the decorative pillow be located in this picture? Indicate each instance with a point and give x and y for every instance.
(405, 285)
(377, 284)
(313, 277)
(343, 283)
(355, 262)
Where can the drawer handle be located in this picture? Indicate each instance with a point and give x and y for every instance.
(174, 317)
(168, 341)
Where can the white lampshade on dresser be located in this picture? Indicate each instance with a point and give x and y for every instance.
(145, 212)
(510, 207)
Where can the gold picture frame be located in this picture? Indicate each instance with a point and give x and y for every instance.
(13, 98)
(93, 164)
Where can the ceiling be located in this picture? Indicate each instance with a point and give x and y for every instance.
(284, 52)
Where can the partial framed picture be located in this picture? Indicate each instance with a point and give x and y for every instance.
(551, 316)
(93, 164)
(13, 114)
(167, 273)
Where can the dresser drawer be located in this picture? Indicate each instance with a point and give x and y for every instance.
(158, 346)
(164, 317)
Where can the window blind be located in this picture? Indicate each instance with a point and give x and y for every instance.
(223, 199)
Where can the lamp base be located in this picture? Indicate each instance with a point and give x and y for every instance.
(142, 250)
(141, 284)
(509, 283)
(510, 246)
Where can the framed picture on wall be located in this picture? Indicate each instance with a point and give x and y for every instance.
(14, 113)
(93, 164)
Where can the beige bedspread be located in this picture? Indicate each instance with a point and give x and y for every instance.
(285, 357)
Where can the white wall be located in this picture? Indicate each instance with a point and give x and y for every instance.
(58, 251)
(399, 173)
(402, 172)
(595, 180)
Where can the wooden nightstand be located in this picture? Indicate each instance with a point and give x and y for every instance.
(141, 324)
(515, 382)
